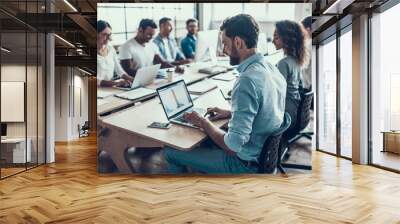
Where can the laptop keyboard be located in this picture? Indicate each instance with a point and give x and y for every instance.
(180, 118)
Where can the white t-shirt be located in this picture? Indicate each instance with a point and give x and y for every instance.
(107, 65)
(142, 55)
(168, 50)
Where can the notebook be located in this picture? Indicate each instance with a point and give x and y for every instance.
(101, 94)
(225, 77)
(136, 94)
(201, 87)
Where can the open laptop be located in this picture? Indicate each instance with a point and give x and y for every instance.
(144, 76)
(176, 101)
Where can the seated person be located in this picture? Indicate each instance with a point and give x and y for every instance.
(107, 59)
(139, 52)
(166, 44)
(258, 106)
(290, 36)
(188, 44)
(307, 73)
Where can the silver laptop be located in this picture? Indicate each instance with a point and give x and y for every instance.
(144, 76)
(176, 101)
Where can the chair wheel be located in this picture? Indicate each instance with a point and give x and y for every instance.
(105, 163)
(287, 155)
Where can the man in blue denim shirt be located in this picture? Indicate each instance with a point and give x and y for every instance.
(166, 44)
(188, 44)
(258, 105)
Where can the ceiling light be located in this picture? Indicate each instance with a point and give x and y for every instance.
(64, 40)
(5, 50)
(70, 5)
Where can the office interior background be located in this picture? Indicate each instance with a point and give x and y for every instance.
(356, 82)
(45, 80)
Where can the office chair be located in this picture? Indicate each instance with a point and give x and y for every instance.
(105, 164)
(270, 152)
(291, 136)
(84, 130)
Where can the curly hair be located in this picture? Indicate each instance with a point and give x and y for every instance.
(292, 35)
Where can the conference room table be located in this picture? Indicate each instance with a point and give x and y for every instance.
(127, 127)
(111, 103)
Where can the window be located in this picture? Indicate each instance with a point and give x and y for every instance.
(262, 12)
(385, 86)
(346, 94)
(124, 18)
(281, 11)
(22, 75)
(327, 97)
(221, 11)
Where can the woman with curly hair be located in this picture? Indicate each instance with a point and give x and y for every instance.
(290, 37)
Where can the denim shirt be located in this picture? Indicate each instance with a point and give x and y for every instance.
(175, 52)
(188, 45)
(258, 107)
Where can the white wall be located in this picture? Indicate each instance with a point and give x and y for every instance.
(33, 126)
(71, 103)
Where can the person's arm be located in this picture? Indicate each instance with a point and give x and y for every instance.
(159, 60)
(244, 110)
(106, 83)
(245, 107)
(126, 60)
(283, 67)
(111, 83)
(129, 66)
(118, 68)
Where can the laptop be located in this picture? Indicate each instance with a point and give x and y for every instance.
(176, 101)
(144, 76)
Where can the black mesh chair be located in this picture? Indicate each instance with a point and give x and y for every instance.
(84, 130)
(268, 160)
(291, 136)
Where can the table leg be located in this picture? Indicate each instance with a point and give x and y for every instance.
(116, 142)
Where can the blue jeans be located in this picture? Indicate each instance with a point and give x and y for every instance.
(205, 159)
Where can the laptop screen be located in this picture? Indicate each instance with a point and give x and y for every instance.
(175, 98)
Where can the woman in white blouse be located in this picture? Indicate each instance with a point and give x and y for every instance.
(107, 59)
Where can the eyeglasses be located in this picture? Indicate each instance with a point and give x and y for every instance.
(107, 35)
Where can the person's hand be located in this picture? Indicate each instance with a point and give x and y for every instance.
(216, 113)
(127, 78)
(186, 61)
(194, 118)
(122, 83)
(179, 69)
